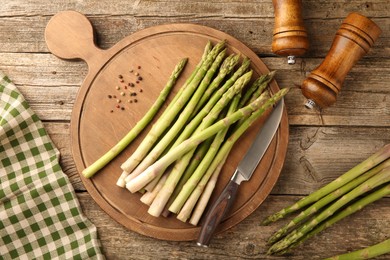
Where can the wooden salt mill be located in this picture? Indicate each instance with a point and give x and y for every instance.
(289, 35)
(353, 39)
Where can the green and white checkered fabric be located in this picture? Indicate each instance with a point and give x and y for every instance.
(40, 216)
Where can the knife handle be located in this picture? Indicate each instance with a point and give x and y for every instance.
(216, 213)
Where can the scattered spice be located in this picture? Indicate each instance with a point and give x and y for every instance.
(137, 80)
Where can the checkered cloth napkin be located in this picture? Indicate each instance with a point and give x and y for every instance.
(40, 216)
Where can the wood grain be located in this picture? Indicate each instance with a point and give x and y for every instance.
(151, 53)
(321, 145)
(247, 239)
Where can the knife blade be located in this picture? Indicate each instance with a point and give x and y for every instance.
(243, 172)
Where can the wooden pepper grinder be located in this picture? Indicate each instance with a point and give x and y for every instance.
(289, 35)
(353, 39)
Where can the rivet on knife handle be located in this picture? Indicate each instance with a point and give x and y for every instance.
(217, 212)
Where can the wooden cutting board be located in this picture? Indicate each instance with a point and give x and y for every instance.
(96, 123)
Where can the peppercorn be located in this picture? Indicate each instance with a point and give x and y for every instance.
(109, 96)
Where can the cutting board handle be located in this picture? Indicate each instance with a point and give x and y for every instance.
(69, 35)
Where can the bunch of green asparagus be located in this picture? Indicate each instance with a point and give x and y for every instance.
(178, 162)
(358, 187)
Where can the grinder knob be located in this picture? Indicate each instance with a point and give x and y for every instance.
(289, 35)
(353, 39)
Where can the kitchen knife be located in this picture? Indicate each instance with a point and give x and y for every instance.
(243, 172)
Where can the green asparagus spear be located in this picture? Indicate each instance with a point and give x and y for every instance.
(366, 253)
(173, 131)
(164, 122)
(159, 204)
(382, 177)
(354, 207)
(353, 173)
(134, 132)
(186, 206)
(326, 200)
(140, 181)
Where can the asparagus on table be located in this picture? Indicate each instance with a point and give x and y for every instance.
(353, 173)
(366, 253)
(141, 180)
(382, 177)
(326, 200)
(356, 206)
(158, 205)
(173, 131)
(134, 132)
(163, 123)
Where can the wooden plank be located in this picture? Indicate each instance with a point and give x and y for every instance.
(362, 101)
(26, 33)
(228, 8)
(247, 239)
(315, 155)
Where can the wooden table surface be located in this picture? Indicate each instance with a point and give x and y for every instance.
(322, 145)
